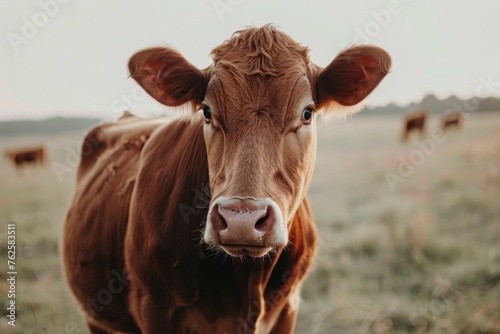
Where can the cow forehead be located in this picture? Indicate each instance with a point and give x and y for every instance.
(241, 100)
(259, 71)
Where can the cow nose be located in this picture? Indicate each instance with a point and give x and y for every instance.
(242, 221)
(242, 217)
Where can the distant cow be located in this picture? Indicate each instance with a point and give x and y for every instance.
(414, 122)
(20, 157)
(452, 120)
(201, 224)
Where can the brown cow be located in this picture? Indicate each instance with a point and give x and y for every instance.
(414, 122)
(231, 262)
(20, 157)
(452, 120)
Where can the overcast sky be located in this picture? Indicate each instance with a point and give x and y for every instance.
(73, 63)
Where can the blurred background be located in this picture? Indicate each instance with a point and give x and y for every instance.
(405, 193)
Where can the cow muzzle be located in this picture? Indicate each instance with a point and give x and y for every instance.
(244, 226)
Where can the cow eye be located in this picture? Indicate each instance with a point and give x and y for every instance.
(307, 115)
(207, 113)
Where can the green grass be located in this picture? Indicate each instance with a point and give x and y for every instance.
(422, 259)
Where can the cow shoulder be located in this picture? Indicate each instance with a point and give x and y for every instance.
(126, 132)
(167, 211)
(107, 175)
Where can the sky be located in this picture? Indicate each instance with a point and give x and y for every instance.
(69, 57)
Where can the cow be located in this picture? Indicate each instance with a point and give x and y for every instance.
(20, 157)
(452, 120)
(414, 122)
(202, 224)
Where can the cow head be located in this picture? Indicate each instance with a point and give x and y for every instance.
(259, 101)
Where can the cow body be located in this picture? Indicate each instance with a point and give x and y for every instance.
(202, 224)
(452, 120)
(220, 290)
(414, 122)
(26, 156)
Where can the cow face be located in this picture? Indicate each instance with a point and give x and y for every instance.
(259, 102)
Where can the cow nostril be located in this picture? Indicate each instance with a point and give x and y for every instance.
(261, 221)
(222, 221)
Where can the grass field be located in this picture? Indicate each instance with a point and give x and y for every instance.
(423, 257)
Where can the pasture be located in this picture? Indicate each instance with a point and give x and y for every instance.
(420, 256)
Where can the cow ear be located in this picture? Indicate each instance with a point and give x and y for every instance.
(352, 75)
(167, 76)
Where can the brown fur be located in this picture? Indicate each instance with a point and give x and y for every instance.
(94, 234)
(143, 207)
(21, 157)
(414, 122)
(452, 120)
(105, 137)
(263, 52)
